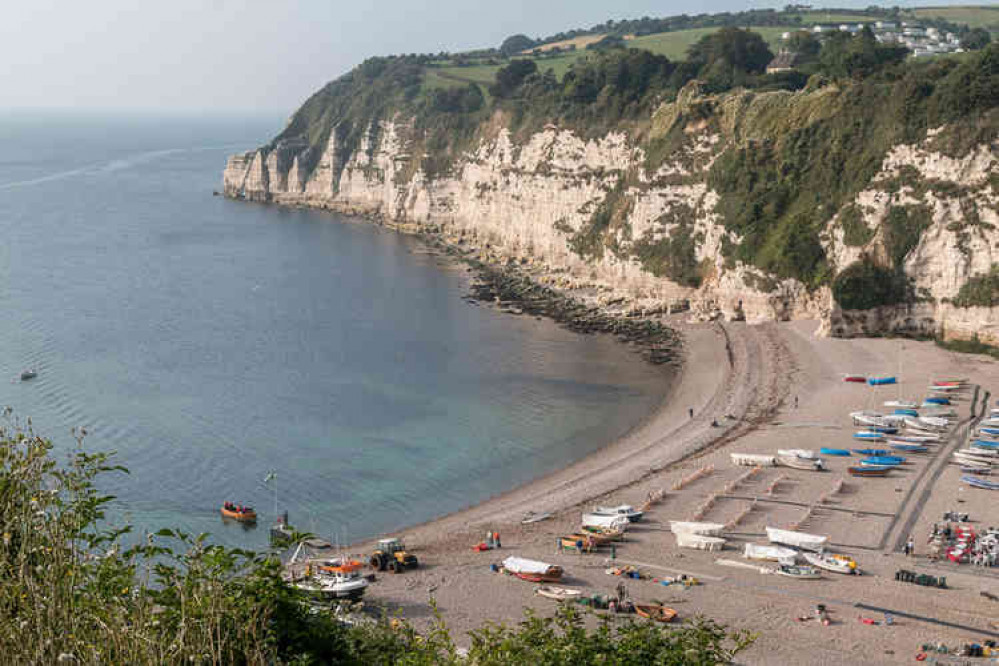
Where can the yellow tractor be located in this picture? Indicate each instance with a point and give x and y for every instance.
(391, 554)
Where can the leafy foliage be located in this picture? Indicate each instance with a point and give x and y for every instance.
(72, 592)
(728, 57)
(864, 285)
(515, 44)
(980, 290)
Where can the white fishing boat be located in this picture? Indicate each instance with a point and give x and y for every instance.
(921, 427)
(756, 551)
(535, 517)
(989, 423)
(800, 453)
(797, 571)
(801, 540)
(917, 439)
(699, 541)
(532, 570)
(965, 457)
(558, 593)
(835, 563)
(900, 404)
(991, 454)
(599, 520)
(333, 579)
(706, 529)
(796, 462)
(625, 510)
(754, 460)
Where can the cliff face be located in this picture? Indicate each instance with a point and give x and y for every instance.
(600, 213)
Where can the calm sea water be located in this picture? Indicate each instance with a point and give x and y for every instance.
(209, 342)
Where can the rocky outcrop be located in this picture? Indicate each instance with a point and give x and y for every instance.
(534, 201)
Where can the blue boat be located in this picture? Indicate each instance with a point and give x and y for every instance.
(906, 412)
(983, 444)
(834, 452)
(872, 452)
(880, 381)
(884, 430)
(910, 448)
(883, 460)
(938, 401)
(990, 431)
(872, 436)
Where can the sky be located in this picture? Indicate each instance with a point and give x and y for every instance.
(261, 56)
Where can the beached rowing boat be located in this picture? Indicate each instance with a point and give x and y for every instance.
(869, 436)
(600, 520)
(602, 535)
(532, 570)
(872, 452)
(801, 571)
(558, 593)
(699, 541)
(880, 381)
(883, 460)
(755, 551)
(535, 517)
(835, 563)
(797, 462)
(908, 448)
(826, 451)
(801, 540)
(984, 484)
(903, 404)
(707, 529)
(753, 460)
(625, 510)
(870, 470)
(654, 612)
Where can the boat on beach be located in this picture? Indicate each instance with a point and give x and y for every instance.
(877, 461)
(799, 453)
(535, 517)
(902, 404)
(706, 529)
(655, 612)
(826, 451)
(869, 436)
(855, 379)
(333, 579)
(908, 448)
(755, 551)
(602, 535)
(624, 510)
(872, 452)
(614, 522)
(699, 541)
(869, 470)
(753, 460)
(835, 563)
(880, 381)
(532, 570)
(801, 571)
(558, 593)
(797, 462)
(984, 484)
(795, 539)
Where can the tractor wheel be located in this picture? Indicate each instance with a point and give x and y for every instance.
(396, 567)
(414, 563)
(378, 561)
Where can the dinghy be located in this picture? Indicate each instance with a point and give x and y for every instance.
(990, 431)
(797, 571)
(657, 613)
(870, 470)
(826, 451)
(908, 448)
(869, 436)
(835, 563)
(872, 452)
(598, 520)
(625, 510)
(984, 484)
(535, 517)
(800, 453)
(601, 535)
(883, 460)
(532, 570)
(705, 529)
(917, 439)
(936, 401)
(753, 460)
(558, 593)
(796, 539)
(903, 404)
(906, 412)
(699, 541)
(985, 445)
(880, 381)
(797, 462)
(755, 551)
(856, 379)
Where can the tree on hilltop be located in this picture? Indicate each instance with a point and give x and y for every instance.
(516, 44)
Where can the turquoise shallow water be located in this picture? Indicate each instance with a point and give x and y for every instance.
(209, 341)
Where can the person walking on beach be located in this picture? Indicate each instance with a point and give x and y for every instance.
(691, 410)
(910, 546)
(496, 538)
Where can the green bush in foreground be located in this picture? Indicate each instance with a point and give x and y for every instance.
(72, 592)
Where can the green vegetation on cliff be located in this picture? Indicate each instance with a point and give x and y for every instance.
(75, 590)
(980, 290)
(795, 147)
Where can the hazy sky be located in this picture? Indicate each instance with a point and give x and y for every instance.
(259, 55)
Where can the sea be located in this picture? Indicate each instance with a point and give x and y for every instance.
(291, 360)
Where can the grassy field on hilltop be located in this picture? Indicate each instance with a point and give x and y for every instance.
(975, 17)
(674, 45)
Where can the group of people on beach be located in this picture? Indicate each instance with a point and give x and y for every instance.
(237, 508)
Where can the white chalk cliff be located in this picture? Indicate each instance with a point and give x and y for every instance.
(527, 200)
